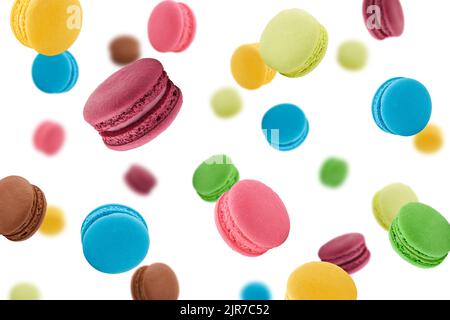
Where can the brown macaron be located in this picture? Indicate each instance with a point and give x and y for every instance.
(155, 282)
(22, 208)
(124, 50)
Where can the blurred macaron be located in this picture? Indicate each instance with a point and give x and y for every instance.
(256, 291)
(140, 179)
(54, 222)
(49, 137)
(226, 102)
(124, 50)
(24, 291)
(334, 172)
(353, 55)
(429, 140)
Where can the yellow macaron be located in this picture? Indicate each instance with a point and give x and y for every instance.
(429, 140)
(249, 69)
(320, 281)
(54, 221)
(48, 26)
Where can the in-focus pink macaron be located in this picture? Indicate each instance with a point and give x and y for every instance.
(348, 251)
(171, 27)
(140, 180)
(49, 137)
(252, 218)
(384, 18)
(134, 105)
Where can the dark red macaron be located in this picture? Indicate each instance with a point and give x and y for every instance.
(383, 18)
(140, 180)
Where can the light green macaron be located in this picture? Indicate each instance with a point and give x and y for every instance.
(353, 55)
(388, 201)
(24, 291)
(293, 43)
(226, 102)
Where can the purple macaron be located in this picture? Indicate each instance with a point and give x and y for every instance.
(348, 251)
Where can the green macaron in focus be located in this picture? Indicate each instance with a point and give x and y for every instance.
(353, 55)
(214, 177)
(333, 173)
(24, 291)
(226, 102)
(420, 235)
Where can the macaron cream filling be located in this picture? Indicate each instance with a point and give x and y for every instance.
(188, 29)
(35, 218)
(232, 231)
(401, 244)
(18, 21)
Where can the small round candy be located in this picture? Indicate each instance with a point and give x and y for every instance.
(115, 238)
(55, 74)
(256, 291)
(226, 102)
(402, 107)
(54, 221)
(353, 55)
(333, 173)
(429, 140)
(24, 291)
(124, 50)
(249, 69)
(285, 127)
(49, 137)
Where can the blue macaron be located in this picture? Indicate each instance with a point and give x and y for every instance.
(56, 74)
(115, 238)
(402, 107)
(285, 127)
(256, 291)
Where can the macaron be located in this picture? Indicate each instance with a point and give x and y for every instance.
(249, 69)
(348, 251)
(134, 105)
(256, 291)
(251, 218)
(171, 27)
(383, 18)
(48, 26)
(293, 43)
(352, 55)
(115, 238)
(402, 107)
(226, 102)
(214, 177)
(24, 291)
(420, 235)
(320, 281)
(54, 221)
(429, 140)
(22, 208)
(124, 50)
(55, 74)
(333, 172)
(285, 127)
(49, 137)
(140, 179)
(155, 282)
(388, 201)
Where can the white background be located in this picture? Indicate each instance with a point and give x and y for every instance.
(183, 233)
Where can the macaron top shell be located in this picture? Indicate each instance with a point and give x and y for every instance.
(120, 92)
(259, 213)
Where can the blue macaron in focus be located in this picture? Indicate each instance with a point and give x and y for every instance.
(56, 74)
(285, 127)
(115, 238)
(402, 107)
(256, 291)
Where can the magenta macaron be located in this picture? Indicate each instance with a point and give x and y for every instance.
(140, 180)
(348, 251)
(383, 18)
(171, 27)
(134, 105)
(252, 218)
(49, 137)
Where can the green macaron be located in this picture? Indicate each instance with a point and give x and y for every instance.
(214, 177)
(352, 55)
(420, 235)
(333, 173)
(24, 291)
(293, 43)
(226, 102)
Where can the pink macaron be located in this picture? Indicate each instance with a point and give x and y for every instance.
(383, 18)
(348, 251)
(252, 218)
(49, 137)
(140, 180)
(171, 27)
(134, 105)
